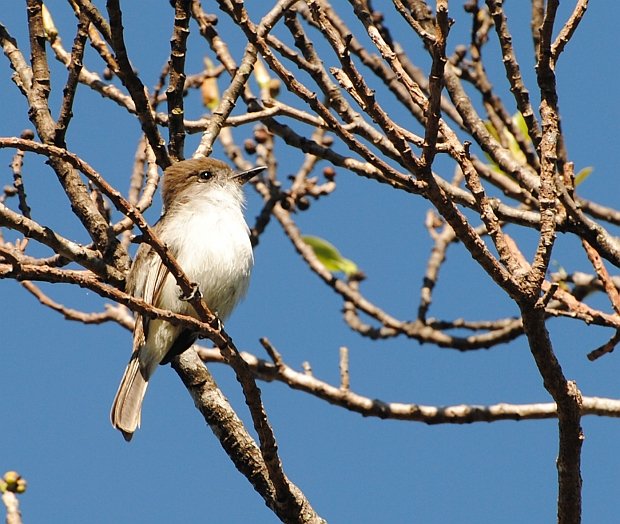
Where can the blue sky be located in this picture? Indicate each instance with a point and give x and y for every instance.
(59, 378)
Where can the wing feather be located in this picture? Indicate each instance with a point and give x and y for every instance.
(146, 281)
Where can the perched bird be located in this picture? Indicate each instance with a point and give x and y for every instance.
(203, 227)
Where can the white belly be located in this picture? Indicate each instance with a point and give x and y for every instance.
(215, 252)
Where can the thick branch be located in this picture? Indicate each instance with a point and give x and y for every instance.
(235, 439)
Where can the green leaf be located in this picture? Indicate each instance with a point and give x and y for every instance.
(509, 139)
(518, 119)
(582, 175)
(491, 129)
(330, 257)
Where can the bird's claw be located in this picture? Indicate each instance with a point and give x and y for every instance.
(195, 293)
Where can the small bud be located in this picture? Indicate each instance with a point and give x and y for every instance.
(250, 146)
(108, 74)
(261, 135)
(328, 140)
(10, 481)
(460, 51)
(358, 276)
(303, 203)
(21, 486)
(274, 87)
(286, 204)
(27, 134)
(11, 477)
(329, 173)
(377, 17)
(471, 6)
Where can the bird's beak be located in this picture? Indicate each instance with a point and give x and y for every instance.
(246, 176)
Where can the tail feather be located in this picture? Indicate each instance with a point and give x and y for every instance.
(127, 405)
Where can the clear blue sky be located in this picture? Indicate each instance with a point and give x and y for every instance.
(58, 378)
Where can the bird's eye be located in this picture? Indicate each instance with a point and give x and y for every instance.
(204, 175)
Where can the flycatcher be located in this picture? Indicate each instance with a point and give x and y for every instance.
(203, 227)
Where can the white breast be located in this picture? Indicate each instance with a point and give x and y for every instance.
(212, 245)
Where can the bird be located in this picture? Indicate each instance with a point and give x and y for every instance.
(203, 226)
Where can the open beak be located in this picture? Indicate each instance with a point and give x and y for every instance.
(246, 176)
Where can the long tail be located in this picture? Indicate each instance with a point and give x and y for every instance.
(127, 405)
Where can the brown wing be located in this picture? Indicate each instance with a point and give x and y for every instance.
(145, 281)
